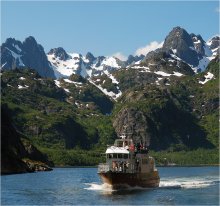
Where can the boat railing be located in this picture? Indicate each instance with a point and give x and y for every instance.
(103, 167)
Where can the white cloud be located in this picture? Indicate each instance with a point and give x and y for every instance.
(217, 9)
(120, 56)
(149, 47)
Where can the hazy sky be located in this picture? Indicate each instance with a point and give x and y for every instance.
(105, 28)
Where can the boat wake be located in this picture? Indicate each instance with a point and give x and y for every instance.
(102, 187)
(108, 188)
(187, 183)
(181, 183)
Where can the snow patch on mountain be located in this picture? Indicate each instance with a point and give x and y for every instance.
(144, 68)
(66, 90)
(111, 94)
(203, 63)
(78, 64)
(167, 74)
(64, 68)
(17, 57)
(18, 48)
(57, 82)
(110, 61)
(208, 77)
(77, 84)
(114, 81)
(22, 87)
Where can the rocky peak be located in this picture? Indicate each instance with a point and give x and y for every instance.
(13, 45)
(180, 42)
(90, 57)
(60, 53)
(36, 58)
(29, 54)
(214, 42)
(99, 60)
(177, 37)
(30, 40)
(132, 59)
(197, 37)
(199, 44)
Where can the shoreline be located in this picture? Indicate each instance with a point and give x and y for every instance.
(95, 166)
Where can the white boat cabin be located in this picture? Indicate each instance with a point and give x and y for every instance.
(125, 157)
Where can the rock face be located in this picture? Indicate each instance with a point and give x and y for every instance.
(90, 57)
(183, 48)
(199, 44)
(29, 54)
(13, 150)
(60, 53)
(133, 123)
(180, 42)
(214, 42)
(161, 60)
(132, 59)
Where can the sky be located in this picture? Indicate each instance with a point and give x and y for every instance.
(106, 28)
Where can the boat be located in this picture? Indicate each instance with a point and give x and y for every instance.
(128, 164)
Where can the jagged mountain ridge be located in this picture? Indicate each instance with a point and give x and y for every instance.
(181, 54)
(189, 47)
(16, 54)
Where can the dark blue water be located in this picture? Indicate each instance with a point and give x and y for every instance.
(82, 186)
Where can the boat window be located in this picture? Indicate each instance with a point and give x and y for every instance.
(125, 156)
(119, 155)
(110, 156)
(114, 155)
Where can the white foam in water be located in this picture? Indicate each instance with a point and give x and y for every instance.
(102, 187)
(108, 188)
(178, 183)
(169, 184)
(197, 184)
(186, 183)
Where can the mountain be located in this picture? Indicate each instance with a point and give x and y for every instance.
(181, 44)
(174, 114)
(29, 54)
(62, 112)
(185, 48)
(168, 98)
(189, 48)
(181, 54)
(58, 116)
(77, 64)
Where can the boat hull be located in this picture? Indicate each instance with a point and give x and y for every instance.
(118, 180)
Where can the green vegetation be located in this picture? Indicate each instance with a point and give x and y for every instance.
(181, 115)
(78, 157)
(187, 158)
(40, 112)
(74, 127)
(74, 157)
